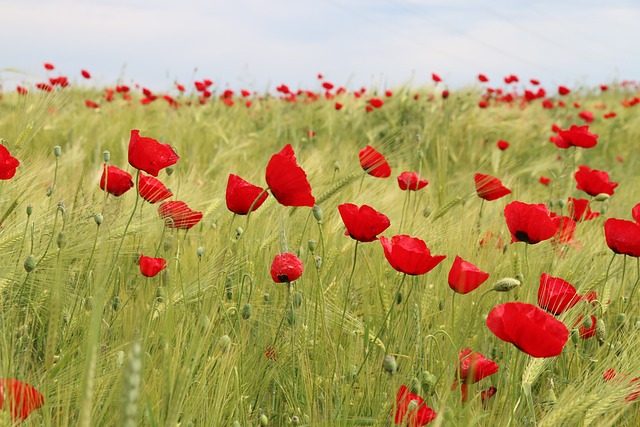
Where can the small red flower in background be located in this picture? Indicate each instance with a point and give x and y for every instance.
(487, 394)
(575, 136)
(622, 236)
(489, 188)
(374, 163)
(85, 74)
(287, 180)
(49, 66)
(529, 223)
(610, 115)
(473, 368)
(483, 104)
(117, 181)
(579, 210)
(376, 102)
(465, 277)
(44, 87)
(563, 90)
(503, 145)
(482, 78)
(338, 106)
(556, 295)
(152, 189)
(587, 329)
(8, 164)
(148, 155)
(411, 410)
(445, 94)
(327, 85)
(411, 181)
(409, 255)
(566, 228)
(545, 180)
(270, 354)
(388, 93)
(149, 267)
(534, 82)
(22, 398)
(90, 104)
(611, 375)
(363, 223)
(594, 182)
(436, 78)
(178, 215)
(286, 268)
(529, 328)
(242, 194)
(586, 115)
(21, 90)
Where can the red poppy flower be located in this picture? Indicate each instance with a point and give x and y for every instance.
(482, 78)
(286, 268)
(487, 394)
(178, 215)
(8, 164)
(149, 267)
(363, 223)
(85, 74)
(489, 187)
(152, 189)
(545, 180)
(594, 182)
(622, 236)
(586, 115)
(49, 66)
(474, 366)
(611, 375)
(579, 210)
(242, 194)
(376, 102)
(411, 181)
(21, 397)
(610, 115)
(502, 145)
(409, 255)
(529, 328)
(436, 78)
(445, 94)
(147, 154)
(635, 213)
(374, 163)
(288, 181)
(587, 329)
(556, 295)
(464, 277)
(117, 181)
(529, 223)
(563, 90)
(575, 136)
(338, 106)
(411, 409)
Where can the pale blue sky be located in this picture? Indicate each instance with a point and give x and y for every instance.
(261, 44)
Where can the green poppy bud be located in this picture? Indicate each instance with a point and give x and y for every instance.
(575, 336)
(57, 150)
(30, 263)
(246, 311)
(291, 317)
(266, 297)
(49, 191)
(318, 261)
(106, 156)
(263, 420)
(603, 210)
(506, 284)
(169, 170)
(98, 218)
(29, 210)
(62, 208)
(588, 322)
(601, 331)
(389, 364)
(297, 299)
(317, 213)
(312, 245)
(428, 382)
(200, 251)
(336, 166)
(561, 203)
(224, 343)
(239, 232)
(415, 386)
(426, 212)
(61, 241)
(601, 197)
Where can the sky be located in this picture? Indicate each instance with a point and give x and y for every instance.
(260, 44)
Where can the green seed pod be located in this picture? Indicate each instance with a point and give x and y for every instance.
(336, 166)
(415, 386)
(601, 331)
(426, 212)
(49, 191)
(601, 197)
(229, 294)
(441, 304)
(312, 245)
(57, 150)
(61, 241)
(62, 208)
(296, 299)
(575, 336)
(588, 322)
(266, 297)
(200, 251)
(291, 317)
(621, 319)
(561, 203)
(398, 297)
(247, 311)
(603, 210)
(30, 263)
(106, 156)
(263, 420)
(98, 218)
(224, 343)
(318, 262)
(317, 213)
(506, 284)
(428, 382)
(389, 364)
(169, 170)
(29, 210)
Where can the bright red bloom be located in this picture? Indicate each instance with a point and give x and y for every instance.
(586, 115)
(474, 366)
(503, 145)
(85, 74)
(287, 180)
(8, 164)
(363, 223)
(529, 328)
(489, 187)
(338, 106)
(445, 94)
(49, 66)
(594, 182)
(418, 415)
(22, 398)
(117, 181)
(147, 154)
(556, 295)
(152, 189)
(409, 255)
(411, 181)
(436, 78)
(376, 102)
(286, 268)
(534, 82)
(464, 277)
(611, 375)
(482, 78)
(622, 236)
(579, 210)
(563, 90)
(575, 136)
(242, 194)
(529, 223)
(374, 163)
(635, 213)
(586, 331)
(610, 115)
(149, 267)
(91, 104)
(545, 180)
(178, 215)
(21, 90)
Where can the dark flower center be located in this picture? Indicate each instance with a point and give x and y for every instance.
(283, 278)
(523, 236)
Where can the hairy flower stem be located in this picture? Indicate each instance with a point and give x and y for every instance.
(346, 300)
(633, 290)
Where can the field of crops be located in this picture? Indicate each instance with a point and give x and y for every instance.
(326, 256)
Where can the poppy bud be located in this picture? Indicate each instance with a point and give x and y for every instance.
(603, 210)
(575, 335)
(169, 170)
(317, 213)
(62, 208)
(224, 343)
(229, 294)
(420, 152)
(318, 261)
(389, 364)
(61, 241)
(506, 284)
(49, 191)
(263, 420)
(398, 297)
(57, 150)
(295, 420)
(98, 218)
(297, 299)
(266, 297)
(336, 167)
(106, 156)
(601, 197)
(239, 232)
(247, 311)
(428, 382)
(291, 317)
(168, 243)
(621, 319)
(601, 331)
(29, 210)
(441, 304)
(415, 386)
(561, 203)
(200, 251)
(30, 263)
(312, 245)
(426, 212)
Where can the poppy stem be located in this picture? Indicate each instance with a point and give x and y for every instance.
(253, 206)
(480, 216)
(346, 295)
(635, 285)
(404, 208)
